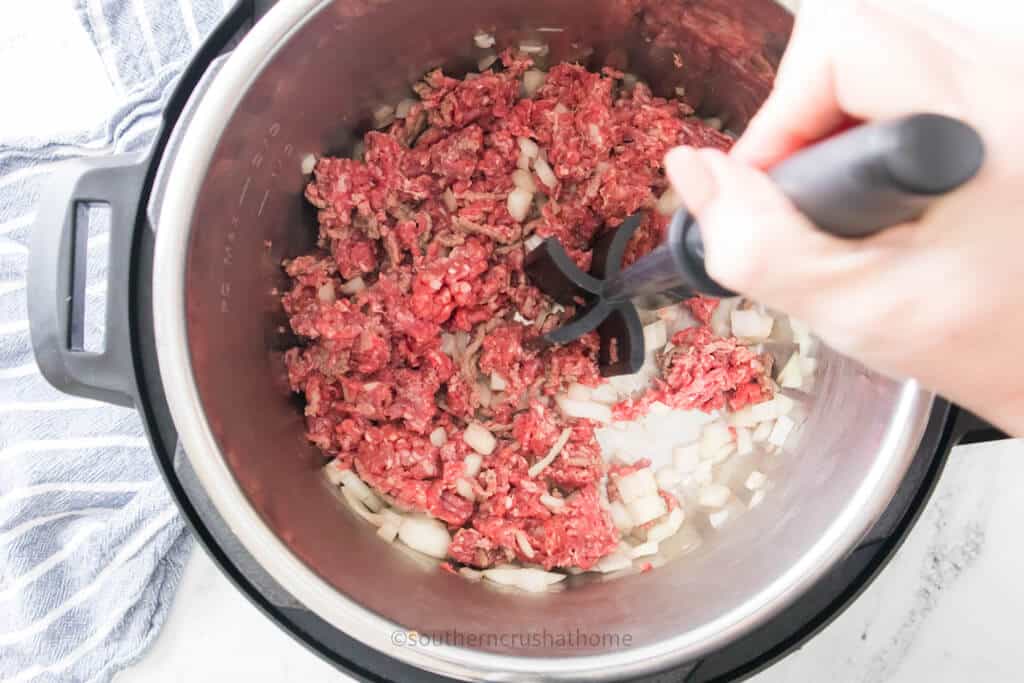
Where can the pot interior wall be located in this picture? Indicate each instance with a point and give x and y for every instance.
(315, 96)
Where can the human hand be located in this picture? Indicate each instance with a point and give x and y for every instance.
(939, 299)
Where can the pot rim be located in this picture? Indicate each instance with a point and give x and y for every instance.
(183, 184)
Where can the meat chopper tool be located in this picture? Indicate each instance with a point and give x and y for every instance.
(852, 185)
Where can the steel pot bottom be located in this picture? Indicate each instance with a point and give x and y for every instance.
(305, 81)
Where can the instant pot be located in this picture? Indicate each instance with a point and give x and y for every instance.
(195, 337)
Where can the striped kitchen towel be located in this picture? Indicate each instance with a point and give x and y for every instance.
(91, 545)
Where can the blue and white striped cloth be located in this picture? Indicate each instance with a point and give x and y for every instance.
(91, 545)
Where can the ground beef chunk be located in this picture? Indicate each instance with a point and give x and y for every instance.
(444, 330)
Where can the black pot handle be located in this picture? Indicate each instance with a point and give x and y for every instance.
(968, 428)
(56, 277)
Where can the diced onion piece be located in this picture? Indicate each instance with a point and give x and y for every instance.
(532, 242)
(308, 164)
(781, 431)
(388, 532)
(389, 516)
(438, 437)
(472, 464)
(744, 441)
(519, 201)
(465, 489)
(614, 562)
(756, 499)
(479, 439)
(556, 448)
(357, 505)
(523, 541)
(533, 47)
(326, 292)
(646, 509)
(402, 108)
(604, 393)
(718, 518)
(643, 550)
(584, 409)
(448, 344)
(713, 495)
(703, 474)
(686, 458)
(471, 574)
(578, 392)
(533, 79)
(620, 516)
(483, 40)
(523, 180)
(629, 81)
(528, 147)
(713, 122)
(334, 473)
(712, 439)
(802, 336)
(756, 480)
(543, 170)
(527, 579)
(352, 482)
(373, 502)
(383, 116)
(483, 394)
(791, 376)
(667, 478)
(353, 286)
(667, 528)
(449, 199)
(668, 203)
(551, 502)
(680, 91)
(655, 336)
(636, 485)
(498, 382)
(427, 535)
(763, 431)
(751, 324)
(808, 366)
(486, 62)
(769, 410)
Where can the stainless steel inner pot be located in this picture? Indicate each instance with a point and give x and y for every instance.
(305, 80)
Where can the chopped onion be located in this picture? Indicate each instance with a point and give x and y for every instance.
(448, 344)
(471, 574)
(808, 366)
(781, 431)
(449, 199)
(776, 407)
(667, 478)
(498, 382)
(620, 516)
(578, 392)
(659, 408)
(614, 562)
(402, 108)
(668, 203)
(533, 47)
(751, 324)
(544, 172)
(713, 495)
(479, 439)
(425, 534)
(533, 79)
(791, 376)
(655, 336)
(647, 509)
(712, 439)
(519, 201)
(486, 62)
(383, 116)
(373, 502)
(763, 431)
(643, 550)
(472, 464)
(718, 518)
(389, 516)
(308, 164)
(523, 180)
(686, 458)
(756, 499)
(359, 507)
(326, 292)
(483, 40)
(703, 474)
(636, 485)
(528, 147)
(604, 393)
(523, 541)
(629, 81)
(438, 437)
(756, 480)
(680, 91)
(334, 474)
(584, 409)
(802, 336)
(744, 441)
(465, 489)
(720, 317)
(388, 532)
(713, 122)
(551, 502)
(353, 286)
(532, 242)
(353, 483)
(556, 448)
(667, 528)
(530, 580)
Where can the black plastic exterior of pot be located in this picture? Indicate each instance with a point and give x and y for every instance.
(126, 373)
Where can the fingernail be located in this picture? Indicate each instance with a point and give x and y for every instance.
(691, 176)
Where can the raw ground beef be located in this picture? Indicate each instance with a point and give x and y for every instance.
(444, 330)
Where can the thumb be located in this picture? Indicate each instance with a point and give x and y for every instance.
(755, 241)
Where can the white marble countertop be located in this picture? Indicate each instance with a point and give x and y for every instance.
(942, 611)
